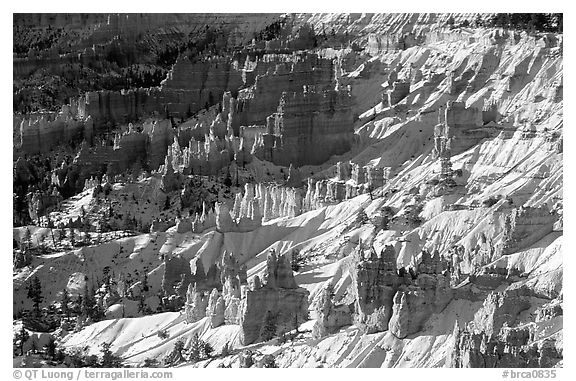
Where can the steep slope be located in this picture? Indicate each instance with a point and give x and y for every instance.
(453, 258)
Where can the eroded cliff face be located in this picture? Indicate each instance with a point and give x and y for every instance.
(493, 339)
(279, 73)
(263, 309)
(305, 122)
(394, 193)
(395, 299)
(188, 88)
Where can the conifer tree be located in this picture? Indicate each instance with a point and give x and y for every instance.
(50, 348)
(27, 239)
(35, 293)
(64, 303)
(109, 360)
(269, 327)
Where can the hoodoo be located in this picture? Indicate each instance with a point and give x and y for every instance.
(288, 190)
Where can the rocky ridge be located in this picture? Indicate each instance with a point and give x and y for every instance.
(447, 161)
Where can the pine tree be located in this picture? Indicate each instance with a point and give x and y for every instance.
(50, 348)
(145, 286)
(228, 180)
(199, 349)
(51, 227)
(268, 361)
(226, 350)
(106, 276)
(72, 238)
(35, 293)
(269, 327)
(362, 217)
(176, 354)
(194, 353)
(87, 302)
(478, 21)
(33, 347)
(27, 239)
(297, 260)
(109, 360)
(64, 303)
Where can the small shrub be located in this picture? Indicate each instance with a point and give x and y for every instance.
(109, 360)
(298, 260)
(150, 363)
(268, 361)
(225, 350)
(362, 217)
(246, 359)
(199, 349)
(490, 201)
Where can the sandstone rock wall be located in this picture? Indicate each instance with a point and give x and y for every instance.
(458, 130)
(127, 150)
(258, 204)
(375, 282)
(177, 276)
(394, 299)
(525, 226)
(330, 316)
(494, 339)
(39, 133)
(210, 156)
(41, 202)
(290, 74)
(198, 223)
(304, 122)
(279, 299)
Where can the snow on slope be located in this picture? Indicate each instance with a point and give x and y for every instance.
(520, 161)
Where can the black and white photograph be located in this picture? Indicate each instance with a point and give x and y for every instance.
(286, 190)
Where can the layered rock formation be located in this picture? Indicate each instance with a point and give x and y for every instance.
(492, 341)
(128, 151)
(209, 156)
(280, 73)
(198, 223)
(305, 121)
(249, 218)
(525, 226)
(279, 296)
(350, 181)
(219, 307)
(376, 281)
(177, 276)
(258, 204)
(414, 304)
(40, 133)
(331, 316)
(483, 188)
(39, 202)
(398, 300)
(458, 130)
